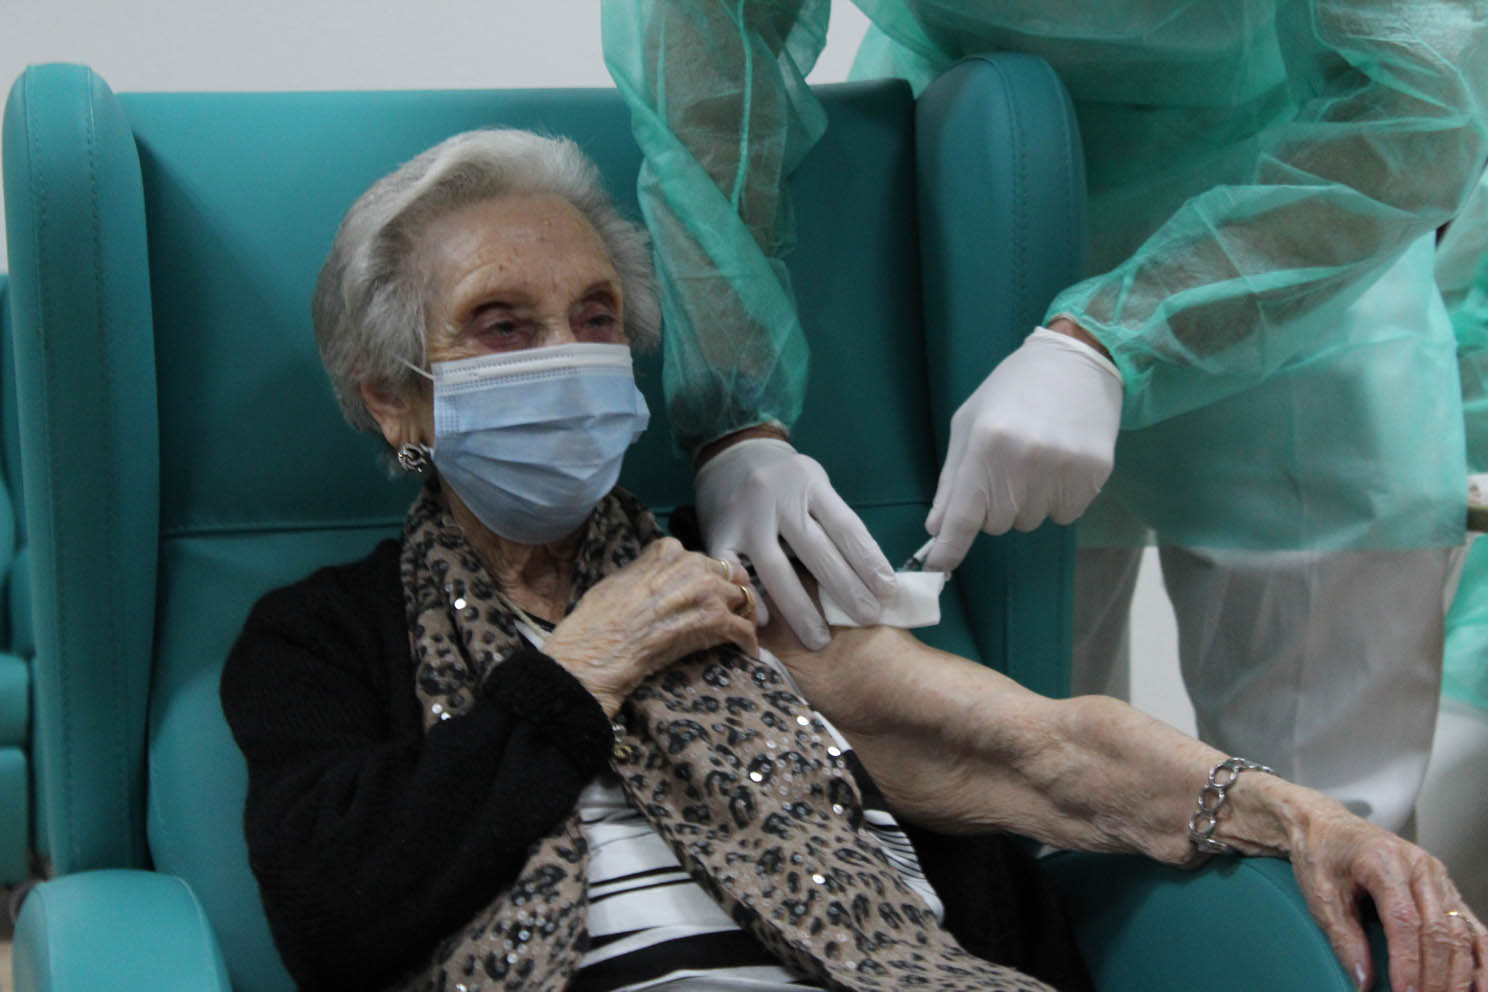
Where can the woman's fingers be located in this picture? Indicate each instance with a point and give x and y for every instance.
(1466, 969)
(1452, 931)
(1401, 920)
(1460, 969)
(1446, 934)
(1441, 942)
(744, 604)
(1432, 938)
(666, 604)
(1480, 952)
(1463, 934)
(737, 623)
(1337, 912)
(742, 633)
(698, 602)
(1435, 942)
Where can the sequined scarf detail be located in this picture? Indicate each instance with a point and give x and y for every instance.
(729, 765)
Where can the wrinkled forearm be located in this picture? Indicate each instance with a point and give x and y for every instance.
(959, 747)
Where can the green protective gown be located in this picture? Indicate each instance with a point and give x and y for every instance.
(1254, 167)
(1462, 272)
(720, 106)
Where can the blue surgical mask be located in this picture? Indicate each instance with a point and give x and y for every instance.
(532, 440)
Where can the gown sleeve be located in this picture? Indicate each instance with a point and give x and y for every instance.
(1384, 145)
(1462, 273)
(1375, 141)
(721, 110)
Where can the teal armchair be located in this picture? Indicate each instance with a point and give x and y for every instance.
(182, 455)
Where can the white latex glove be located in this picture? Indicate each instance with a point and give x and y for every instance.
(759, 491)
(1036, 440)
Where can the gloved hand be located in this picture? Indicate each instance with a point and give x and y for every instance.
(759, 491)
(1036, 440)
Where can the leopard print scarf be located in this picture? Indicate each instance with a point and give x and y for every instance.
(726, 762)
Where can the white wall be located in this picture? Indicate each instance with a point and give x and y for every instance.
(351, 44)
(333, 44)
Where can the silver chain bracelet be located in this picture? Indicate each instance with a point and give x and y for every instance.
(1212, 799)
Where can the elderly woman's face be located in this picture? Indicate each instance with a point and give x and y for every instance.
(518, 272)
(503, 275)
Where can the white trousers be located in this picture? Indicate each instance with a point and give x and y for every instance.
(1325, 666)
(1454, 803)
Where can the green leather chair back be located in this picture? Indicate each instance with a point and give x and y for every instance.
(15, 668)
(182, 452)
(15, 614)
(10, 519)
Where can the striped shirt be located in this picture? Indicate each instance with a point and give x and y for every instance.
(652, 927)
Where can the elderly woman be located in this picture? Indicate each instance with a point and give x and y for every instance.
(535, 744)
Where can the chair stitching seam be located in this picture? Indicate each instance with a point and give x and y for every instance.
(120, 700)
(44, 313)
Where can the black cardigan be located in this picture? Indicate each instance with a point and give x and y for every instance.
(372, 841)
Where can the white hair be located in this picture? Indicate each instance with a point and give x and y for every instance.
(369, 306)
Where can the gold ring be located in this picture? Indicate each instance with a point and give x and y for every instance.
(746, 609)
(1458, 914)
(728, 569)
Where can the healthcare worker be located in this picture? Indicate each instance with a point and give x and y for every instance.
(1454, 800)
(1261, 327)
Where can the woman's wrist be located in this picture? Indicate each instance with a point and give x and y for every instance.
(609, 699)
(1266, 815)
(609, 703)
(597, 679)
(598, 664)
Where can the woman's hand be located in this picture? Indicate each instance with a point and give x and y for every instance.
(1435, 941)
(666, 604)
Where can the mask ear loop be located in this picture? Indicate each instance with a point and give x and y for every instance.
(415, 457)
(414, 368)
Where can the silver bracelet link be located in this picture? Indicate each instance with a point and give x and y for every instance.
(1212, 799)
(620, 751)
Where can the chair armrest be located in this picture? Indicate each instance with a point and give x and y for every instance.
(1234, 925)
(116, 929)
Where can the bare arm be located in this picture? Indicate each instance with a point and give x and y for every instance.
(960, 747)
